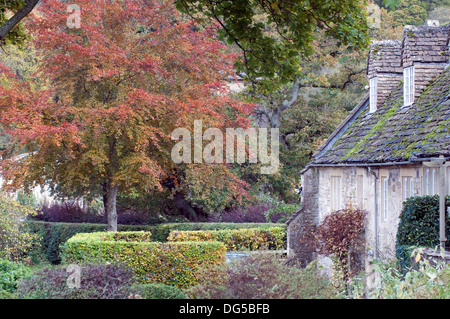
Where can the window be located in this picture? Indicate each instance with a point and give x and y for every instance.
(411, 187)
(360, 190)
(448, 180)
(373, 94)
(408, 187)
(431, 181)
(384, 197)
(408, 85)
(335, 193)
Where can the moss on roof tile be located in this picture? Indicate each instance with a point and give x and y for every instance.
(395, 132)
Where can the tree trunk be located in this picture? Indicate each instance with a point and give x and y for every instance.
(109, 201)
(110, 189)
(186, 209)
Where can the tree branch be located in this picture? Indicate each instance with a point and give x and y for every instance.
(350, 75)
(22, 13)
(294, 94)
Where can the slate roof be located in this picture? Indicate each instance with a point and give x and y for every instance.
(396, 133)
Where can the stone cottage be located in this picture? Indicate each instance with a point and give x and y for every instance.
(381, 153)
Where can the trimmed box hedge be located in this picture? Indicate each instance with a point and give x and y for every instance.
(162, 231)
(52, 235)
(236, 239)
(172, 264)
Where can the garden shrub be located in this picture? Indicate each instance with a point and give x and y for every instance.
(236, 239)
(159, 291)
(15, 243)
(97, 281)
(419, 227)
(131, 236)
(174, 264)
(261, 276)
(267, 209)
(68, 212)
(253, 213)
(72, 212)
(340, 236)
(10, 274)
(428, 281)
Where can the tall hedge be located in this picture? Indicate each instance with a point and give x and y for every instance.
(419, 227)
(172, 264)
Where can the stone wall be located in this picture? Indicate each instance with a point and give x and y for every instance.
(424, 73)
(304, 218)
(435, 256)
(360, 186)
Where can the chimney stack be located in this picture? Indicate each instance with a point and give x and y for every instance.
(426, 48)
(384, 70)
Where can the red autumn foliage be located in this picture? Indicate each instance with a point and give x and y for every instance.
(337, 235)
(110, 94)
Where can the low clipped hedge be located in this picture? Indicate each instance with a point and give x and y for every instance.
(236, 239)
(54, 234)
(127, 236)
(173, 264)
(159, 291)
(161, 232)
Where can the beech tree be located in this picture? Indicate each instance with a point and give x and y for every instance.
(116, 89)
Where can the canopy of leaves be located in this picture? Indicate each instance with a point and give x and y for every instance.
(118, 87)
(276, 35)
(412, 12)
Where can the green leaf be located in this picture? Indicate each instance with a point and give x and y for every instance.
(391, 4)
